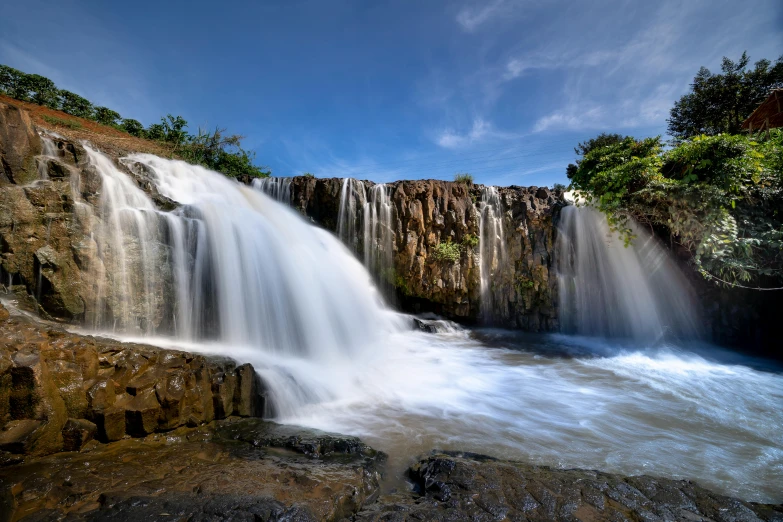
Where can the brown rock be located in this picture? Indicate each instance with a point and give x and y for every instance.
(19, 144)
(77, 433)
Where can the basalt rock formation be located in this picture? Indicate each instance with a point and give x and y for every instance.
(522, 291)
(59, 390)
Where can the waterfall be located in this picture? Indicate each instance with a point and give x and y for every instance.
(352, 197)
(607, 289)
(374, 241)
(278, 189)
(378, 233)
(492, 245)
(230, 265)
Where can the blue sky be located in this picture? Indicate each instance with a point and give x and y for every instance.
(386, 90)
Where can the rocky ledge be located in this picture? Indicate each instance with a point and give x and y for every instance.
(59, 390)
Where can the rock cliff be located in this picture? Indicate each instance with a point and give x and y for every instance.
(520, 290)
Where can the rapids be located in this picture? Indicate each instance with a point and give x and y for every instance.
(252, 280)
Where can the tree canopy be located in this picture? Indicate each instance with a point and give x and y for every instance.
(720, 103)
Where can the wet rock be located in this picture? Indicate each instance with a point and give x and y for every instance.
(455, 486)
(61, 389)
(77, 433)
(428, 212)
(236, 469)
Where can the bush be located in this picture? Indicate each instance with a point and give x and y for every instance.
(133, 127)
(448, 252)
(308, 175)
(222, 153)
(465, 179)
(719, 197)
(470, 241)
(559, 187)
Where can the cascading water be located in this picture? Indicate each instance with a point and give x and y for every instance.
(278, 189)
(373, 242)
(242, 275)
(230, 264)
(492, 245)
(609, 290)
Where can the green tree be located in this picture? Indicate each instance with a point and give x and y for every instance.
(132, 127)
(602, 140)
(156, 131)
(222, 153)
(42, 90)
(75, 105)
(8, 77)
(721, 102)
(106, 116)
(174, 129)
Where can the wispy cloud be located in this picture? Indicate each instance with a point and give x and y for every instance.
(471, 18)
(481, 131)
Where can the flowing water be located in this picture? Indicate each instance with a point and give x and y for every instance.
(278, 189)
(247, 277)
(492, 245)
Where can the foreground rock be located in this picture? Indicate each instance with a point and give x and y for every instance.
(60, 390)
(236, 469)
(455, 487)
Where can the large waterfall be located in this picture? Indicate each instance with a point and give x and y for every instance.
(232, 271)
(609, 290)
(229, 264)
(492, 245)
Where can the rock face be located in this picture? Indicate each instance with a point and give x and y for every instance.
(428, 213)
(19, 144)
(457, 487)
(229, 470)
(59, 390)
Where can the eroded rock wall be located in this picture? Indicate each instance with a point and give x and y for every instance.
(59, 390)
(426, 213)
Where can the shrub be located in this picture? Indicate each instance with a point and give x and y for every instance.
(446, 252)
(465, 179)
(559, 187)
(133, 127)
(308, 175)
(222, 153)
(470, 241)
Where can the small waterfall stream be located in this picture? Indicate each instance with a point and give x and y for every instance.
(278, 189)
(609, 290)
(492, 245)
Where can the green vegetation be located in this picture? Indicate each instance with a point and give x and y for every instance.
(308, 175)
(720, 102)
(62, 122)
(465, 179)
(470, 241)
(213, 150)
(448, 252)
(559, 187)
(719, 197)
(716, 193)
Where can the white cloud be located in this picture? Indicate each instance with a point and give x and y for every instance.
(470, 18)
(451, 139)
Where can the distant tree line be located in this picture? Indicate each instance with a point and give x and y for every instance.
(214, 150)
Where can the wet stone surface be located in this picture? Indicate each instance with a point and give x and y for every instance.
(455, 486)
(235, 469)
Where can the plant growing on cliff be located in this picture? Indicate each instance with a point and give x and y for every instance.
(470, 241)
(465, 179)
(223, 153)
(446, 252)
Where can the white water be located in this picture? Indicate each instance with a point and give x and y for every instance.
(278, 189)
(252, 280)
(492, 245)
(609, 290)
